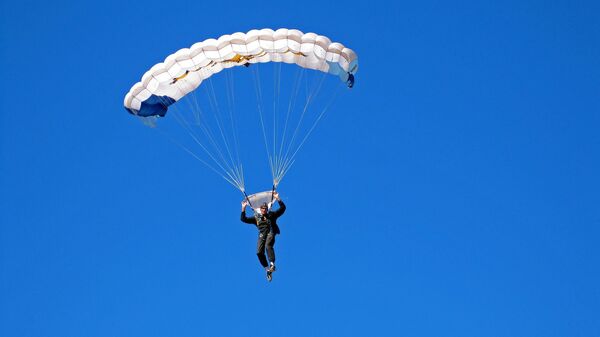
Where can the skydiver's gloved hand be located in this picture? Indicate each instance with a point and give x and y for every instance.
(276, 196)
(244, 204)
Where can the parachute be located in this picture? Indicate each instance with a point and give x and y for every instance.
(182, 73)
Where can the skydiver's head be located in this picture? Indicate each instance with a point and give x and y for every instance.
(264, 208)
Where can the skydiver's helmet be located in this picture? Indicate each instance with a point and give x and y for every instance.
(264, 208)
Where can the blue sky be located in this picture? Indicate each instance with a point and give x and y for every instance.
(452, 192)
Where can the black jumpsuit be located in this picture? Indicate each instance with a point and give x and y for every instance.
(267, 228)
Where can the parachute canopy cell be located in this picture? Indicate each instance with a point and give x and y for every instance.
(182, 72)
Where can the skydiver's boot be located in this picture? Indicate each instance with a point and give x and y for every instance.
(272, 267)
(269, 274)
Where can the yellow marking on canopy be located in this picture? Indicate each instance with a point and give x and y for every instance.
(241, 58)
(235, 59)
(180, 77)
(297, 53)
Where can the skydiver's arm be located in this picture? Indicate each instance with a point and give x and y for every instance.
(243, 216)
(281, 209)
(249, 220)
(279, 212)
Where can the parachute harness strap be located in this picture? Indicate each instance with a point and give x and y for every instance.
(272, 194)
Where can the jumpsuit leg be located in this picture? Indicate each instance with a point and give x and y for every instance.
(260, 249)
(270, 242)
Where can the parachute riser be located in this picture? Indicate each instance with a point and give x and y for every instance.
(248, 199)
(272, 194)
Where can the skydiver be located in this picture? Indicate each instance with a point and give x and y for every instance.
(266, 222)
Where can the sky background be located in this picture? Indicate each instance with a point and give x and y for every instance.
(453, 192)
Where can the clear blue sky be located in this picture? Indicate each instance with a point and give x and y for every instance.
(460, 198)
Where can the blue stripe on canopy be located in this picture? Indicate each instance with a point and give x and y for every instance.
(154, 106)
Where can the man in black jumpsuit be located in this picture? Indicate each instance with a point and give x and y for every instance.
(266, 222)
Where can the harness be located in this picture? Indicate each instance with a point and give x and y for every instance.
(266, 222)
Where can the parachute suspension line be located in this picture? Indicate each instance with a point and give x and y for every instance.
(206, 131)
(218, 115)
(202, 127)
(262, 123)
(306, 91)
(216, 141)
(313, 93)
(292, 159)
(197, 114)
(195, 108)
(231, 99)
(229, 180)
(258, 91)
(276, 92)
(200, 117)
(284, 156)
(185, 125)
(179, 117)
(211, 96)
(291, 105)
(243, 181)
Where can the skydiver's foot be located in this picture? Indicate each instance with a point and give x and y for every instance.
(269, 274)
(272, 267)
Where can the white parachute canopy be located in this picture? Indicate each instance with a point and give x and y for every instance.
(213, 125)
